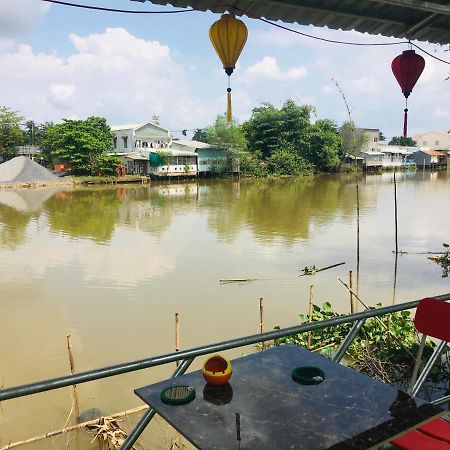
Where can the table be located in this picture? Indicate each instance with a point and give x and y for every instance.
(346, 411)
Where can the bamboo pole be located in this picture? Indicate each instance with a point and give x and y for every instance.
(350, 280)
(177, 335)
(396, 214)
(261, 319)
(72, 371)
(357, 241)
(380, 321)
(311, 303)
(72, 428)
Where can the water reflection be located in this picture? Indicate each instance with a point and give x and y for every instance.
(271, 209)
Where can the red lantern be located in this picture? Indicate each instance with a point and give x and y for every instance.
(407, 69)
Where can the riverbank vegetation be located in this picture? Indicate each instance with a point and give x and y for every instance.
(384, 349)
(279, 141)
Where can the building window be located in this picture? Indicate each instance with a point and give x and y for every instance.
(375, 139)
(125, 141)
(436, 142)
(115, 142)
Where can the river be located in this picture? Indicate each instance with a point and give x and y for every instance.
(112, 265)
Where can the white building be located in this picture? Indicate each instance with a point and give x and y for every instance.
(437, 140)
(134, 137)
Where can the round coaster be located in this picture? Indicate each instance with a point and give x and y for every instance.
(178, 395)
(308, 375)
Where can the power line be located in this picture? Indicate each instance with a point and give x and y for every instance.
(126, 11)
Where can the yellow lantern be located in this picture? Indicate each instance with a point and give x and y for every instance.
(228, 36)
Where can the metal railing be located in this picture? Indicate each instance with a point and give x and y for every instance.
(187, 356)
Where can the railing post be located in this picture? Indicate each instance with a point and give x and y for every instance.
(150, 413)
(348, 340)
(428, 366)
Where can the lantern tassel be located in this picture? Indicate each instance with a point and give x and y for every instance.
(405, 120)
(229, 114)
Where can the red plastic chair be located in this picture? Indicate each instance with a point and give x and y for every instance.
(432, 319)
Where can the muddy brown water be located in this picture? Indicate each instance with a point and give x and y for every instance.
(112, 265)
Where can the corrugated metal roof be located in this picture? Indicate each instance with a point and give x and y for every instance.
(411, 19)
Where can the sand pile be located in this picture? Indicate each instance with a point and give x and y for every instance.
(23, 170)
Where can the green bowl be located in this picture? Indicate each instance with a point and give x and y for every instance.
(308, 375)
(178, 395)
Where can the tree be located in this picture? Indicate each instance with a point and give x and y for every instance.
(10, 131)
(289, 130)
(325, 149)
(224, 134)
(353, 139)
(82, 144)
(199, 135)
(403, 141)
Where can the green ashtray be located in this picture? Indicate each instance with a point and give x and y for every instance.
(308, 375)
(178, 395)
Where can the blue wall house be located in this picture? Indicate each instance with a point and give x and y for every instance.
(211, 160)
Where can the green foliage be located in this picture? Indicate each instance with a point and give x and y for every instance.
(286, 162)
(319, 338)
(375, 351)
(353, 139)
(324, 148)
(444, 261)
(224, 134)
(251, 165)
(80, 143)
(107, 165)
(10, 132)
(403, 141)
(270, 131)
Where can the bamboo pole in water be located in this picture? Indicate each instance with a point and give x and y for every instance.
(72, 371)
(357, 240)
(350, 280)
(311, 303)
(177, 335)
(261, 320)
(396, 214)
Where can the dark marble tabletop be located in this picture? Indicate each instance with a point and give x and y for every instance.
(264, 407)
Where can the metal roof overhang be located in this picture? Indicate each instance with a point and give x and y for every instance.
(410, 19)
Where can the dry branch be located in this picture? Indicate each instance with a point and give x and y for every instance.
(79, 426)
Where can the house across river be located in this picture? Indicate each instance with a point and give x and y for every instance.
(148, 149)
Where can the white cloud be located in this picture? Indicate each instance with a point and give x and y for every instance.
(113, 74)
(268, 68)
(17, 16)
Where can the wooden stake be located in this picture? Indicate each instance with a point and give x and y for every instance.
(72, 428)
(357, 241)
(396, 217)
(311, 303)
(177, 335)
(261, 320)
(72, 371)
(350, 279)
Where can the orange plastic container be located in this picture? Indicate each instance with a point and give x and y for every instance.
(217, 370)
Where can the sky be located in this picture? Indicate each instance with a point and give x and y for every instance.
(63, 62)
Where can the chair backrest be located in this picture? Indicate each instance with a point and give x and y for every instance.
(433, 318)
